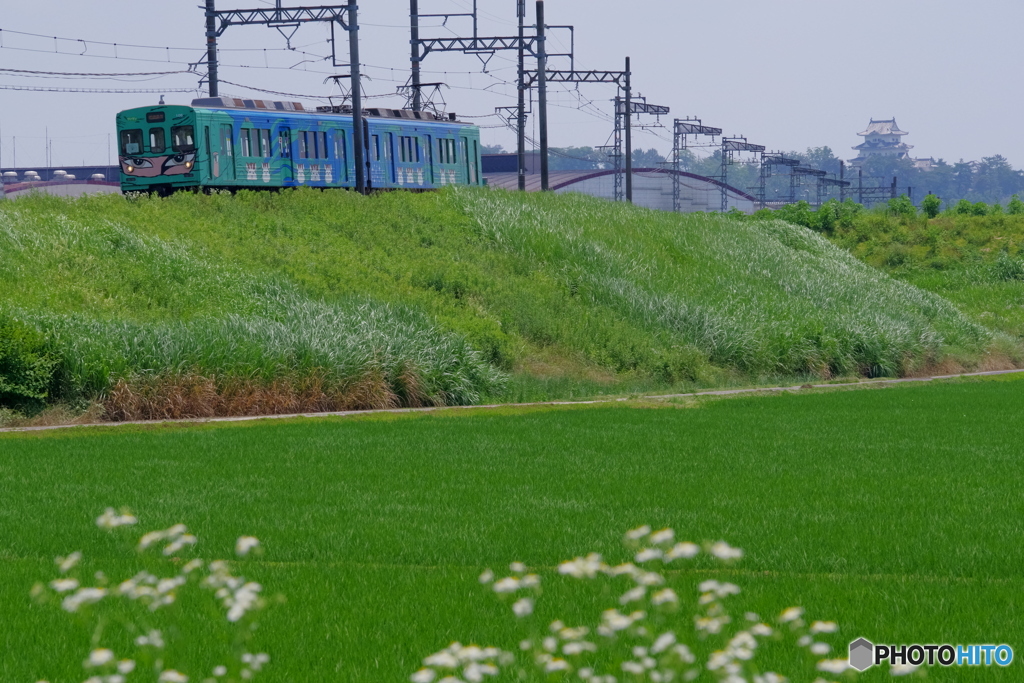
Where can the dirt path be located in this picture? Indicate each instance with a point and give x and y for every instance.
(661, 397)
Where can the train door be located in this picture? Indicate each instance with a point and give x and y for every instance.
(284, 143)
(429, 160)
(227, 152)
(464, 143)
(392, 177)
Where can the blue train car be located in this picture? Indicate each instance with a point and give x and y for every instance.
(228, 143)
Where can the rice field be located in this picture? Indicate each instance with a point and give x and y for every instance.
(199, 305)
(894, 512)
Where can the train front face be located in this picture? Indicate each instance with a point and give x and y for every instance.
(157, 149)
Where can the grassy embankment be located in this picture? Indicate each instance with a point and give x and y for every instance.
(199, 305)
(894, 511)
(971, 254)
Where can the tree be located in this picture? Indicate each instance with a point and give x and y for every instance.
(931, 205)
(902, 207)
(647, 159)
(1016, 206)
(577, 159)
(492, 149)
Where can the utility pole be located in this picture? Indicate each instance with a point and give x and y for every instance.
(414, 26)
(842, 177)
(629, 137)
(211, 46)
(521, 111)
(357, 98)
(860, 185)
(542, 96)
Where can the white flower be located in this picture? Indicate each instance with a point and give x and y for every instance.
(684, 653)
(509, 584)
(663, 642)
(154, 638)
(111, 520)
(172, 676)
(648, 554)
(770, 677)
(64, 585)
(84, 596)
(824, 627)
(99, 657)
(487, 576)
(556, 664)
(67, 563)
(530, 581)
(517, 567)
(442, 659)
(244, 544)
(627, 568)
(633, 595)
(791, 614)
(804, 641)
(820, 648)
(664, 596)
(650, 579)
(751, 616)
(423, 676)
(761, 630)
(219, 670)
(633, 668)
(724, 551)
(833, 666)
(683, 550)
(902, 669)
(191, 566)
(126, 666)
(578, 647)
(663, 536)
(638, 533)
(523, 607)
(550, 644)
(582, 567)
(179, 543)
(150, 538)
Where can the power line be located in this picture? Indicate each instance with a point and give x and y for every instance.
(33, 88)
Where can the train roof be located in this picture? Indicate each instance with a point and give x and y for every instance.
(297, 107)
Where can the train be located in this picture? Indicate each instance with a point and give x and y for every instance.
(233, 144)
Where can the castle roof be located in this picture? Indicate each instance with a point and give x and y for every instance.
(883, 127)
(879, 145)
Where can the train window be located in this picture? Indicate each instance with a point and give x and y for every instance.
(284, 141)
(131, 142)
(183, 139)
(376, 148)
(245, 142)
(454, 156)
(416, 146)
(157, 140)
(264, 142)
(227, 139)
(323, 145)
(303, 145)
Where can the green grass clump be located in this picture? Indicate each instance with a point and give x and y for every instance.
(119, 305)
(893, 511)
(572, 295)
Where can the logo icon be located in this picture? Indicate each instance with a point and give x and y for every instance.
(862, 654)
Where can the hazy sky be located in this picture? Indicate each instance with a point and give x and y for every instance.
(788, 74)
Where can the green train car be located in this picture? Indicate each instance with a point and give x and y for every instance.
(234, 144)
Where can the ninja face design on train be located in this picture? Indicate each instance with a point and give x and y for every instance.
(155, 157)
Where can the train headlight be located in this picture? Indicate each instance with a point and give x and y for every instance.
(188, 164)
(131, 168)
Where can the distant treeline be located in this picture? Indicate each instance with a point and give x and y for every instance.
(992, 180)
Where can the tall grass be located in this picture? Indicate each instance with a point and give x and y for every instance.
(424, 295)
(152, 314)
(766, 296)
